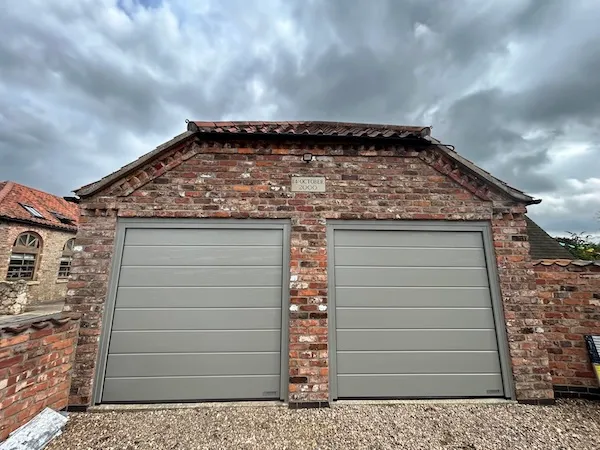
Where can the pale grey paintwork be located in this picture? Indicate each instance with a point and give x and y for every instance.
(415, 297)
(420, 385)
(197, 318)
(194, 341)
(411, 256)
(409, 318)
(192, 255)
(171, 389)
(416, 362)
(203, 314)
(192, 364)
(398, 347)
(427, 340)
(378, 276)
(213, 297)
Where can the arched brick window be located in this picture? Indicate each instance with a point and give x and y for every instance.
(64, 269)
(24, 257)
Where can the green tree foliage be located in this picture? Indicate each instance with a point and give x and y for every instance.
(581, 246)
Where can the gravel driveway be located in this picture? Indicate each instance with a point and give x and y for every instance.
(572, 424)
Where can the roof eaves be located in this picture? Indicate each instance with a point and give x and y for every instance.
(513, 193)
(92, 188)
(40, 223)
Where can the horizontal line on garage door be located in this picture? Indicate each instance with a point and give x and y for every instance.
(349, 375)
(416, 351)
(196, 330)
(204, 353)
(406, 287)
(212, 308)
(205, 267)
(414, 329)
(475, 249)
(394, 307)
(203, 287)
(201, 246)
(191, 376)
(212, 287)
(481, 288)
(386, 266)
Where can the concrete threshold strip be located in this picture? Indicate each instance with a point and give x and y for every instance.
(275, 404)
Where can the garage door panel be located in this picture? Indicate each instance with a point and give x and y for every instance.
(413, 297)
(421, 385)
(203, 236)
(410, 257)
(413, 315)
(409, 277)
(195, 341)
(416, 340)
(413, 362)
(191, 297)
(182, 276)
(197, 319)
(197, 315)
(406, 318)
(192, 364)
(191, 388)
(201, 256)
(420, 239)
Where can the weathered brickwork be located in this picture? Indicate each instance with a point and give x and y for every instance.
(46, 287)
(240, 180)
(35, 369)
(570, 297)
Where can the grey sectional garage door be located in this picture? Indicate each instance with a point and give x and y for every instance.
(197, 316)
(414, 315)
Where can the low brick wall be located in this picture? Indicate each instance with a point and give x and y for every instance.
(36, 358)
(13, 297)
(570, 299)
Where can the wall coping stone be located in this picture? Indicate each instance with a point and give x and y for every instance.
(566, 262)
(21, 325)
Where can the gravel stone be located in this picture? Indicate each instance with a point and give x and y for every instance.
(570, 424)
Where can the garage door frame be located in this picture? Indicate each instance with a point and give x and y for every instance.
(488, 245)
(123, 224)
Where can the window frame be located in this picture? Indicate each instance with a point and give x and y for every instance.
(66, 260)
(32, 210)
(20, 250)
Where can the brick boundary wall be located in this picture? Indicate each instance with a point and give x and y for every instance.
(241, 180)
(36, 359)
(570, 299)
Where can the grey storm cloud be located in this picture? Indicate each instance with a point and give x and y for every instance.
(87, 86)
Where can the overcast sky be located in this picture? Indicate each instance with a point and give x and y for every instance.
(86, 86)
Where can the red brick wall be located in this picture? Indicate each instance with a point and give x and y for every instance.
(35, 370)
(570, 298)
(238, 181)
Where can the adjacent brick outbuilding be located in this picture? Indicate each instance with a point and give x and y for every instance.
(55, 227)
(233, 173)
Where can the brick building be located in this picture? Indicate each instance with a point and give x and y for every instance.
(306, 262)
(37, 232)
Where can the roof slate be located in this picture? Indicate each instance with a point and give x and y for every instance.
(13, 195)
(544, 246)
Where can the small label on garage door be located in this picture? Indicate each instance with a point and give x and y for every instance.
(308, 184)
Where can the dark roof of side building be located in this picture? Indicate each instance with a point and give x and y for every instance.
(542, 245)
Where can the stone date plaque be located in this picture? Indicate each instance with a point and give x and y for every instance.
(308, 184)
